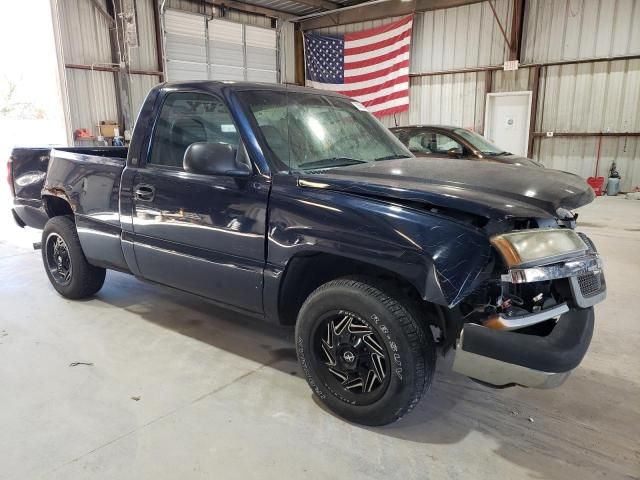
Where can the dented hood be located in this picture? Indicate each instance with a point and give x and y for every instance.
(488, 189)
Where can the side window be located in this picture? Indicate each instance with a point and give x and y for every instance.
(422, 142)
(443, 143)
(188, 118)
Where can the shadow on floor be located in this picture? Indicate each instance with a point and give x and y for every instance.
(563, 433)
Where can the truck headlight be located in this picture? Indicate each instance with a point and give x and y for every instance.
(538, 246)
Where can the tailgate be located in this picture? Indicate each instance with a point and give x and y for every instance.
(27, 173)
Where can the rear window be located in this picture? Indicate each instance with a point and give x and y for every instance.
(188, 118)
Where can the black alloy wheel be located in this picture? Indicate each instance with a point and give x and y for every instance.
(354, 356)
(58, 259)
(65, 263)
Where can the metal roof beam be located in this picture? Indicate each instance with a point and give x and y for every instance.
(374, 10)
(249, 8)
(324, 4)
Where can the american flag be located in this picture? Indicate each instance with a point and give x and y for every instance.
(370, 66)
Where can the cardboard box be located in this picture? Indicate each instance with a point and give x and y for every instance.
(109, 128)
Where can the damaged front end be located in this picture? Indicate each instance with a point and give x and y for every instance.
(531, 323)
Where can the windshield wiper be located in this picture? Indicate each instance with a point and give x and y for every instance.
(391, 157)
(332, 162)
(503, 153)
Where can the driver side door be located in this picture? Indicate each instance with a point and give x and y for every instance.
(200, 233)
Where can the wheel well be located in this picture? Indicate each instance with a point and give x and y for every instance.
(306, 273)
(56, 206)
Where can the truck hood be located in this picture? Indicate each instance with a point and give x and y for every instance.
(487, 189)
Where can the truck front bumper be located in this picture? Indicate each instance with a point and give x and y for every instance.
(504, 358)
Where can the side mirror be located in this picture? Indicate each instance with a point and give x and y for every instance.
(455, 152)
(213, 159)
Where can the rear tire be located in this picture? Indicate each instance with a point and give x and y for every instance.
(64, 261)
(363, 350)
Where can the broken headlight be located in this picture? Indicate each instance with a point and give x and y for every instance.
(538, 246)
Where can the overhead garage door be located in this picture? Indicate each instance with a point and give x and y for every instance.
(185, 45)
(197, 49)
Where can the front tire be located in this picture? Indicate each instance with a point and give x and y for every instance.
(363, 350)
(64, 261)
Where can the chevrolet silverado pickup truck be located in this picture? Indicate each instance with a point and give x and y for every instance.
(298, 207)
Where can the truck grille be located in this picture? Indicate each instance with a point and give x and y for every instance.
(590, 284)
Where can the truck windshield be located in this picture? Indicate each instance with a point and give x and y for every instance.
(305, 131)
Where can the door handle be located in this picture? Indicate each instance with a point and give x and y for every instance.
(144, 192)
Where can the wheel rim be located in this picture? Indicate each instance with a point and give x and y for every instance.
(58, 259)
(353, 360)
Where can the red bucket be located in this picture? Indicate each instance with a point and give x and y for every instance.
(596, 183)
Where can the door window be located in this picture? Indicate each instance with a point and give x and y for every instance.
(422, 142)
(432, 143)
(444, 143)
(188, 118)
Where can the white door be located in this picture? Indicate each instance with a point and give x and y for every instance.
(506, 121)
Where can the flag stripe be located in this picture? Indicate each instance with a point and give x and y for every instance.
(367, 97)
(377, 87)
(377, 59)
(370, 47)
(378, 73)
(398, 102)
(349, 43)
(381, 30)
(345, 88)
(391, 96)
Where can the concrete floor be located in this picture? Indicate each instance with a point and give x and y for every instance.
(222, 396)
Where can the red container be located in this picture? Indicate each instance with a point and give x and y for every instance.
(596, 183)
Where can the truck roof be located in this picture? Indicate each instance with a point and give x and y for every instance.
(217, 86)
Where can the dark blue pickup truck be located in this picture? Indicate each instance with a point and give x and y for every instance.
(299, 207)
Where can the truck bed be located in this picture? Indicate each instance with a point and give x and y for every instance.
(28, 172)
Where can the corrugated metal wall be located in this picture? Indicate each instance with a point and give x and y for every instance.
(92, 95)
(579, 29)
(591, 97)
(452, 99)
(460, 37)
(144, 57)
(139, 86)
(85, 40)
(286, 52)
(580, 156)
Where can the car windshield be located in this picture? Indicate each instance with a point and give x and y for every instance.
(307, 131)
(480, 143)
